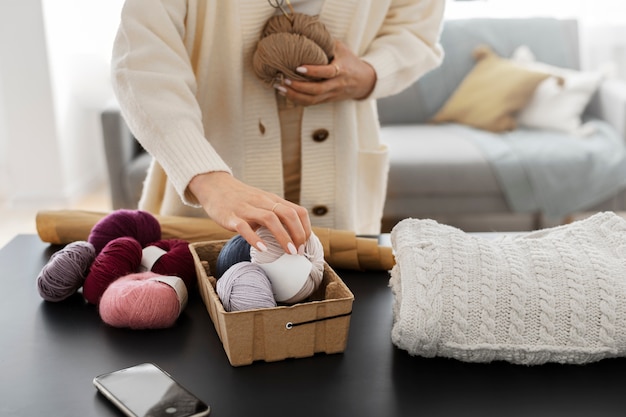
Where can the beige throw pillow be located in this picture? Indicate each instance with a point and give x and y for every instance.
(491, 94)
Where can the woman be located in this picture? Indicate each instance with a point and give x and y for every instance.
(247, 154)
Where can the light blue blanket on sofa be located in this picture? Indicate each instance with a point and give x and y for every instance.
(589, 170)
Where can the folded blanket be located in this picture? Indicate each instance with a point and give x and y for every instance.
(554, 295)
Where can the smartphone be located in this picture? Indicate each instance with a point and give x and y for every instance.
(145, 390)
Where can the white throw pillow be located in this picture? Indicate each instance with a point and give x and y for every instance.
(557, 106)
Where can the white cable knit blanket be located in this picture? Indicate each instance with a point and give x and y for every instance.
(554, 295)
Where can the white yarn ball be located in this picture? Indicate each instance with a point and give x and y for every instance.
(313, 251)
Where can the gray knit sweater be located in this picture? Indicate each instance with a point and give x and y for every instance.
(554, 295)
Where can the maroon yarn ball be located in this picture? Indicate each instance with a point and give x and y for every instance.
(138, 224)
(178, 260)
(119, 257)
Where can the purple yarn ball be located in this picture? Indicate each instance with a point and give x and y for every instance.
(66, 271)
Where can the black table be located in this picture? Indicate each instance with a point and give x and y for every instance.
(49, 353)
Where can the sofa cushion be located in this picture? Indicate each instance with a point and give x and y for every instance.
(435, 160)
(553, 42)
(491, 94)
(557, 106)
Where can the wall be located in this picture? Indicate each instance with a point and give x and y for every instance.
(4, 172)
(54, 80)
(30, 165)
(80, 36)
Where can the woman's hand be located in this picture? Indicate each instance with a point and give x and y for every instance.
(346, 77)
(243, 209)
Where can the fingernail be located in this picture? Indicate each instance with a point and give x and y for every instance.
(292, 248)
(301, 70)
(287, 81)
(301, 250)
(261, 246)
(280, 88)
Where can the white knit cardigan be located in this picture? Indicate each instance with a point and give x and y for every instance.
(182, 74)
(555, 295)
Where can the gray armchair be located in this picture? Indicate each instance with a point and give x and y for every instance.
(127, 162)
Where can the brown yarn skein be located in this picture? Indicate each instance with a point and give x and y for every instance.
(305, 25)
(288, 42)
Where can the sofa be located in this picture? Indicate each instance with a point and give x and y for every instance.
(458, 174)
(447, 172)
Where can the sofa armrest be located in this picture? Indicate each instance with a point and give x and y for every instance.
(120, 148)
(609, 104)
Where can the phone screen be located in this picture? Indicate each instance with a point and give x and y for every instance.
(147, 391)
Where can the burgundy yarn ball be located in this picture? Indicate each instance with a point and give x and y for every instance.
(136, 301)
(138, 224)
(177, 260)
(119, 257)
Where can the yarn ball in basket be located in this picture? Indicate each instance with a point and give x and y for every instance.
(170, 257)
(119, 257)
(235, 250)
(313, 251)
(288, 42)
(65, 271)
(138, 224)
(141, 301)
(244, 286)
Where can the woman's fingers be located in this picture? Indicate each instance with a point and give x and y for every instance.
(331, 70)
(294, 221)
(346, 77)
(243, 209)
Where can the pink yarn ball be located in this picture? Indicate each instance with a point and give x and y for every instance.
(138, 224)
(119, 257)
(137, 302)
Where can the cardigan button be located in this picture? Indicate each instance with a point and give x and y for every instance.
(320, 135)
(320, 210)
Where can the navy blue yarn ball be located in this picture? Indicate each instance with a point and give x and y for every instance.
(236, 250)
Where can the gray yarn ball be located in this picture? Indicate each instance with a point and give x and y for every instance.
(244, 286)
